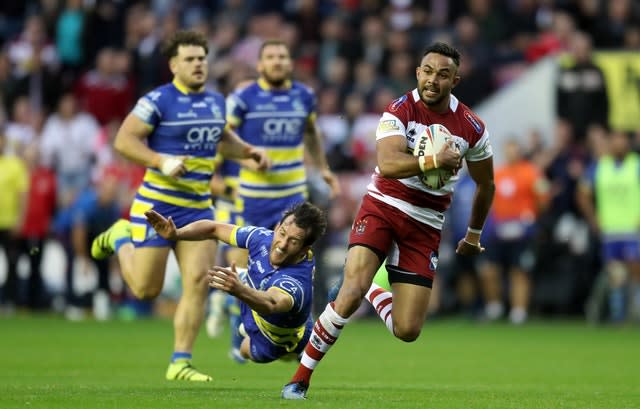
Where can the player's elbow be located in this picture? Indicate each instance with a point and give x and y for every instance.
(387, 168)
(266, 309)
(119, 144)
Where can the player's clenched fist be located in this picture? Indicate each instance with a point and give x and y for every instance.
(172, 165)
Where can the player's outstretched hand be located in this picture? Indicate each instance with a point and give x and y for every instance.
(449, 156)
(224, 278)
(260, 157)
(466, 248)
(164, 227)
(331, 180)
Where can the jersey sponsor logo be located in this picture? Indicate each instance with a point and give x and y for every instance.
(259, 266)
(289, 285)
(473, 121)
(203, 137)
(266, 107)
(396, 104)
(184, 100)
(281, 98)
(189, 114)
(199, 104)
(281, 129)
(422, 142)
(154, 95)
(264, 252)
(388, 126)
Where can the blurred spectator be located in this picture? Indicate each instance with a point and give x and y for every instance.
(534, 148)
(597, 142)
(563, 165)
(104, 27)
(489, 18)
(396, 42)
(5, 84)
(553, 38)
(609, 197)
(149, 68)
(363, 127)
(401, 72)
(41, 85)
(331, 120)
(458, 271)
(14, 183)
(632, 37)
(69, 29)
(111, 164)
(105, 91)
(20, 130)
(95, 210)
(67, 141)
(477, 84)
(522, 23)
(586, 13)
(332, 43)
(12, 15)
(609, 31)
(371, 47)
(467, 38)
(40, 206)
(581, 89)
(521, 194)
(365, 79)
(33, 40)
(338, 76)
(308, 18)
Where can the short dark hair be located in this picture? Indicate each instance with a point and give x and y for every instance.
(272, 42)
(444, 49)
(308, 217)
(184, 37)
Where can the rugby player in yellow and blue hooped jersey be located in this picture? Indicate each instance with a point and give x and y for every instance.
(184, 127)
(276, 293)
(277, 114)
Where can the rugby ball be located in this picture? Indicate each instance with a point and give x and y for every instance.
(430, 142)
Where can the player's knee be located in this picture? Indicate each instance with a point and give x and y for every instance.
(146, 293)
(407, 333)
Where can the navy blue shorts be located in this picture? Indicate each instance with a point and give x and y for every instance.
(262, 349)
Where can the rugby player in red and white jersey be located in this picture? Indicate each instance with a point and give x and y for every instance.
(400, 218)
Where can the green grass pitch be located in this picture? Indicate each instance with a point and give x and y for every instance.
(47, 362)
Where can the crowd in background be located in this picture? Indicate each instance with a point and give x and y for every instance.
(70, 71)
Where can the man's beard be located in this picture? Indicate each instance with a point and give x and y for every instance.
(275, 82)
